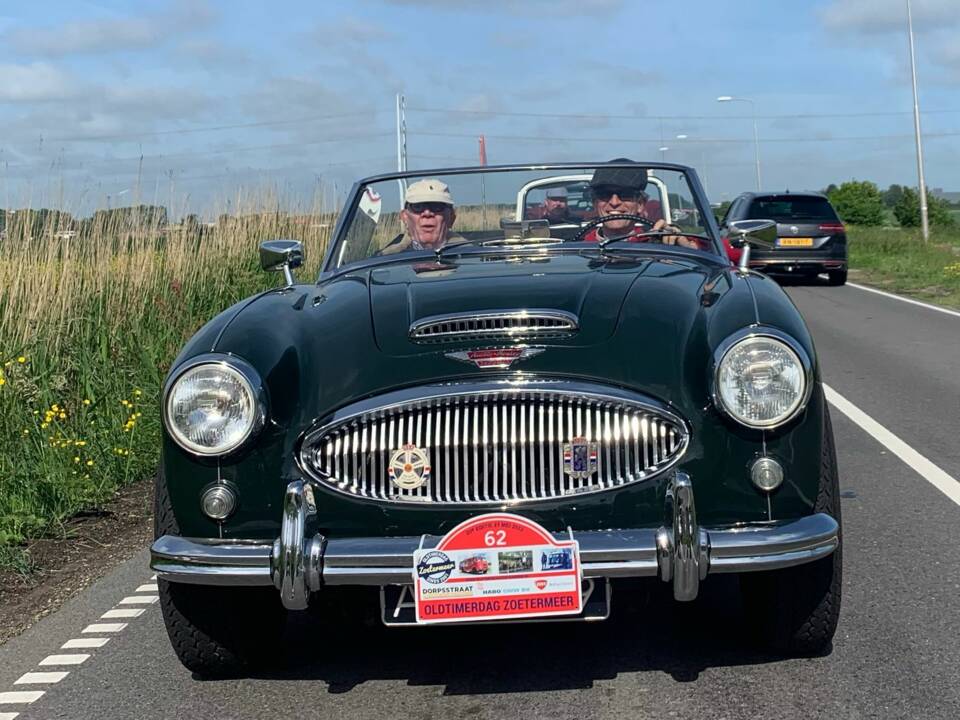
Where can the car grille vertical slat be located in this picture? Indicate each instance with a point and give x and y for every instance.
(495, 447)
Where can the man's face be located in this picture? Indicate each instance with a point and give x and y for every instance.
(555, 208)
(428, 223)
(611, 200)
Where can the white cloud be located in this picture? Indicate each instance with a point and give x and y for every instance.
(34, 83)
(884, 16)
(109, 34)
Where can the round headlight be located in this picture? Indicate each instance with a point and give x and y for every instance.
(761, 381)
(212, 408)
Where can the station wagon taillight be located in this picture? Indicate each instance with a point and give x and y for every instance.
(832, 228)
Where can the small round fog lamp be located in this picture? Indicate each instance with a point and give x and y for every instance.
(766, 473)
(218, 502)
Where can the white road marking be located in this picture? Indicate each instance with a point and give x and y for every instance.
(104, 628)
(38, 678)
(928, 306)
(933, 474)
(79, 643)
(64, 659)
(153, 577)
(139, 600)
(21, 696)
(150, 587)
(122, 613)
(8, 716)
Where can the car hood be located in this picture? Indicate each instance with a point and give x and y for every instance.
(593, 291)
(648, 323)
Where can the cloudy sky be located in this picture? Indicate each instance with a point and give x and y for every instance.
(101, 100)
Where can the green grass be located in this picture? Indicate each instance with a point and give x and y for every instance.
(89, 328)
(898, 260)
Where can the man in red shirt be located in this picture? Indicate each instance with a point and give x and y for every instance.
(620, 191)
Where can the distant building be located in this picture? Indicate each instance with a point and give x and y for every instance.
(951, 197)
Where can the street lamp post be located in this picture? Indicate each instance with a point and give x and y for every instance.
(756, 136)
(702, 169)
(924, 218)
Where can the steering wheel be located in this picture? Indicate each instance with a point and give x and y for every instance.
(591, 224)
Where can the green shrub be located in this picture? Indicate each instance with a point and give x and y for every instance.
(858, 203)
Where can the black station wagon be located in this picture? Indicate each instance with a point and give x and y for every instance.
(480, 417)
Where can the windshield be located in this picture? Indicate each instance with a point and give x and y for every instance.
(509, 208)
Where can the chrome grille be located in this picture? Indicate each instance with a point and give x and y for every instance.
(526, 324)
(495, 445)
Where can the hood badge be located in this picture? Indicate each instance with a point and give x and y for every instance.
(495, 358)
(409, 467)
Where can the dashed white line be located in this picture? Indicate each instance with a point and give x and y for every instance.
(41, 678)
(64, 659)
(79, 643)
(139, 600)
(149, 587)
(122, 613)
(928, 306)
(930, 472)
(20, 696)
(104, 628)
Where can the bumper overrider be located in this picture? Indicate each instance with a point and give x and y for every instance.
(301, 561)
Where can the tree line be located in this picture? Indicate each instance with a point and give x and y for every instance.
(860, 202)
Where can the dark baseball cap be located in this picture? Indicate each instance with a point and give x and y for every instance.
(634, 178)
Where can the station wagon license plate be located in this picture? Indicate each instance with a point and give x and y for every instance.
(795, 242)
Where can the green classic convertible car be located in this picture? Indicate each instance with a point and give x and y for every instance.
(480, 416)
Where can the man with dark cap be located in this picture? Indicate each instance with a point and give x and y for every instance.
(620, 191)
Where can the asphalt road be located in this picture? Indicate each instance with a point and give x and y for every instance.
(895, 655)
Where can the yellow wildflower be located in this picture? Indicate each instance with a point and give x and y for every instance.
(26, 432)
(89, 463)
(44, 425)
(55, 407)
(76, 458)
(80, 443)
(86, 401)
(21, 359)
(62, 416)
(137, 393)
(2, 381)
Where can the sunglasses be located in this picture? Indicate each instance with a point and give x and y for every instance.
(604, 193)
(419, 207)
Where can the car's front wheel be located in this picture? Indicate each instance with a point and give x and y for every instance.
(216, 631)
(795, 610)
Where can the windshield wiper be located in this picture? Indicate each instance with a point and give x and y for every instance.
(653, 233)
(497, 241)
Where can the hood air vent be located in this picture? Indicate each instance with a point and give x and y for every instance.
(495, 325)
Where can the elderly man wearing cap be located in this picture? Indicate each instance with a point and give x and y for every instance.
(427, 217)
(620, 191)
(556, 208)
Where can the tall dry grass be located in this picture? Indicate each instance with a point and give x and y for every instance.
(88, 327)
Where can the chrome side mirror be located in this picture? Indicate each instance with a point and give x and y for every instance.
(285, 255)
(744, 233)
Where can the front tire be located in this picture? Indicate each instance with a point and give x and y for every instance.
(216, 631)
(795, 610)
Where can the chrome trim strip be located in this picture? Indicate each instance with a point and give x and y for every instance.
(510, 472)
(523, 323)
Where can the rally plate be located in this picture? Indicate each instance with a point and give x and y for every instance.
(397, 607)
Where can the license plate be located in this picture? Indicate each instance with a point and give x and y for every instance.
(795, 242)
(397, 607)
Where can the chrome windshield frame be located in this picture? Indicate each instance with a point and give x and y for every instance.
(328, 268)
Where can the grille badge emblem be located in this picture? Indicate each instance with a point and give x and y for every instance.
(497, 358)
(409, 467)
(580, 458)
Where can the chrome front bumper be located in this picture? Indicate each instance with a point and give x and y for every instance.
(302, 561)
